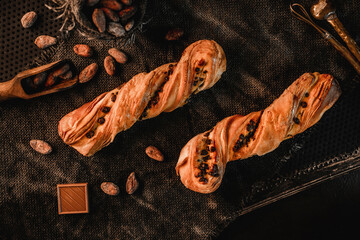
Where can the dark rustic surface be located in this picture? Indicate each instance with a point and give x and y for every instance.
(266, 50)
(327, 211)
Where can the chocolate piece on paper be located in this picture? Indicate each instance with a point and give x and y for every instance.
(72, 198)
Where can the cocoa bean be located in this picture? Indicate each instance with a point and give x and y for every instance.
(154, 153)
(39, 79)
(83, 50)
(132, 184)
(92, 3)
(29, 19)
(118, 55)
(127, 13)
(110, 188)
(53, 77)
(116, 29)
(45, 41)
(110, 14)
(129, 25)
(29, 86)
(66, 76)
(41, 146)
(99, 20)
(88, 73)
(126, 2)
(174, 34)
(60, 71)
(109, 65)
(50, 81)
(111, 4)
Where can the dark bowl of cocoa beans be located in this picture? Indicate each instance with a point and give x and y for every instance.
(108, 19)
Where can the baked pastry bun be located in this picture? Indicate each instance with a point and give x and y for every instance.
(95, 125)
(203, 160)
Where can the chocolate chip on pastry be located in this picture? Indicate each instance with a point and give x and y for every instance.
(202, 161)
(145, 96)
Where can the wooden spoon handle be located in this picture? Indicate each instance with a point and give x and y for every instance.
(6, 90)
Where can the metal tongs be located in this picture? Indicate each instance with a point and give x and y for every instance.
(324, 10)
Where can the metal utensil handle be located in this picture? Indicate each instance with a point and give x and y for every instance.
(343, 51)
(343, 33)
(305, 17)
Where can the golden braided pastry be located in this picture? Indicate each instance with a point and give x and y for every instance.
(202, 161)
(95, 124)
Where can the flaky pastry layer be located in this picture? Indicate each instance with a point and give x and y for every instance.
(203, 159)
(95, 125)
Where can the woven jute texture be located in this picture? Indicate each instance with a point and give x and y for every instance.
(266, 49)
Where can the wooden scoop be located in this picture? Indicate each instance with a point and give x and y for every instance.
(16, 88)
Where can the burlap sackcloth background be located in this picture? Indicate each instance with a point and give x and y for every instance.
(266, 48)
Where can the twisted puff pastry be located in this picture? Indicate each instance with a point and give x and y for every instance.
(95, 124)
(202, 161)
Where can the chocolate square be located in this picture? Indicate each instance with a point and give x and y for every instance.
(72, 198)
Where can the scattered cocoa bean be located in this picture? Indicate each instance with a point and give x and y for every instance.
(99, 20)
(29, 19)
(40, 79)
(116, 29)
(118, 55)
(127, 13)
(126, 2)
(129, 25)
(111, 4)
(132, 184)
(41, 146)
(154, 153)
(109, 65)
(83, 50)
(92, 3)
(110, 188)
(45, 41)
(88, 73)
(111, 15)
(174, 34)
